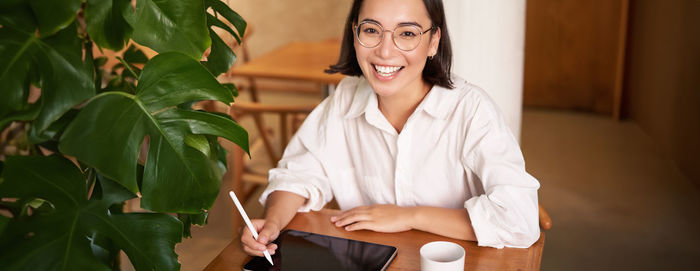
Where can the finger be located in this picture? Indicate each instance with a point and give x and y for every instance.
(348, 213)
(351, 217)
(354, 218)
(267, 234)
(271, 248)
(254, 245)
(342, 216)
(252, 252)
(258, 224)
(274, 234)
(364, 225)
(245, 236)
(338, 216)
(248, 240)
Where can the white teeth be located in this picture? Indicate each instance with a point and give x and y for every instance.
(386, 70)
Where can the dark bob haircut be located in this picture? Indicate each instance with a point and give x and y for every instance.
(437, 69)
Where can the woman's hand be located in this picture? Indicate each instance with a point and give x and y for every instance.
(266, 233)
(281, 208)
(381, 218)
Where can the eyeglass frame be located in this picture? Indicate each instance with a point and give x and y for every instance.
(420, 38)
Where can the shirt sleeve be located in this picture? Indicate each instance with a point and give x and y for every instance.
(506, 215)
(300, 171)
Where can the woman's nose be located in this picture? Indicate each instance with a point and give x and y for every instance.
(386, 47)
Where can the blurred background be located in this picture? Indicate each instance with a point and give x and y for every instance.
(609, 122)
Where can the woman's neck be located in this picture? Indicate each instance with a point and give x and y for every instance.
(399, 107)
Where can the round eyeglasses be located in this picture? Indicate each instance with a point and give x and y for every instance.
(405, 37)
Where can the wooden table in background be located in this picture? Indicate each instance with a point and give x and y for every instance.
(408, 244)
(302, 60)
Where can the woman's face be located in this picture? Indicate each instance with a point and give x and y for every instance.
(388, 69)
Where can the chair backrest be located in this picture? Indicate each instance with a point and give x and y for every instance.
(545, 220)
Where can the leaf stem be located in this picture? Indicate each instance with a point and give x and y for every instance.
(91, 181)
(128, 95)
(128, 67)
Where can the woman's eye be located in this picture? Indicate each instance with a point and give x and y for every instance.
(371, 31)
(408, 34)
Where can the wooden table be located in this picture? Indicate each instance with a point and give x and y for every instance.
(408, 244)
(302, 60)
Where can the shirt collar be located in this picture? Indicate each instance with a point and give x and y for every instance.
(361, 99)
(438, 103)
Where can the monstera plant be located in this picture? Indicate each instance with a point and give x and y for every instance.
(91, 137)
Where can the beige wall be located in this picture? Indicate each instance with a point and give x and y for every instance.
(662, 92)
(277, 22)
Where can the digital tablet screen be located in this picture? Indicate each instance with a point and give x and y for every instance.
(298, 250)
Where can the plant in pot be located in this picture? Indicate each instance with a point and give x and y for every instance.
(78, 140)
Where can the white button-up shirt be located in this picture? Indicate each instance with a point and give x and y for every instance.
(455, 151)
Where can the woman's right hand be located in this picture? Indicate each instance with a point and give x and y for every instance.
(280, 209)
(267, 232)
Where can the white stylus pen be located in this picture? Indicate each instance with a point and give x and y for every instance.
(247, 222)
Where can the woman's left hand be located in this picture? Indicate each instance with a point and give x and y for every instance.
(381, 218)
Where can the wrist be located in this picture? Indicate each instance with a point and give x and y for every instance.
(272, 223)
(414, 217)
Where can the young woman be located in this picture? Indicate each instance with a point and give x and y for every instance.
(403, 144)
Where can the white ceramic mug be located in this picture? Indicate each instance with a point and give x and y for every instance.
(441, 256)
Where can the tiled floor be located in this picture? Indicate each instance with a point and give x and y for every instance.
(616, 203)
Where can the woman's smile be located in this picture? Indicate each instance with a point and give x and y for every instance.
(386, 72)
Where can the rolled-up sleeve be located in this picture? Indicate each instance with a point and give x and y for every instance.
(300, 171)
(506, 215)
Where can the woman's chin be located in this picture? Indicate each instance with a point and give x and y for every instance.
(384, 91)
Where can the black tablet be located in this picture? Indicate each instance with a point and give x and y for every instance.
(298, 250)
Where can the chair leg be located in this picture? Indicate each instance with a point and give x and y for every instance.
(237, 166)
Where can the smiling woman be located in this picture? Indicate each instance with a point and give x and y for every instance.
(403, 144)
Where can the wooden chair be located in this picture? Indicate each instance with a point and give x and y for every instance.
(545, 220)
(255, 85)
(249, 173)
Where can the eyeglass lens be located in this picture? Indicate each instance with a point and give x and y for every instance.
(406, 37)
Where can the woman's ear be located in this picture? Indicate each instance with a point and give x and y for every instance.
(434, 42)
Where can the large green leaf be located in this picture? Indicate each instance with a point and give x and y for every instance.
(214, 21)
(60, 239)
(221, 57)
(54, 130)
(166, 26)
(3, 223)
(180, 174)
(230, 15)
(191, 219)
(54, 15)
(29, 113)
(66, 80)
(17, 50)
(10, 3)
(17, 15)
(106, 24)
(134, 55)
